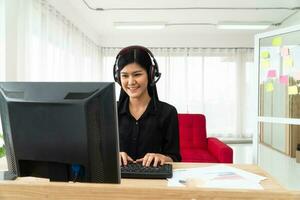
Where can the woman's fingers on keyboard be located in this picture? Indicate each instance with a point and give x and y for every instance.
(162, 161)
(125, 158)
(149, 160)
(156, 160)
(130, 159)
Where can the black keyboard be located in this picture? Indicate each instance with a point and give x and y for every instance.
(137, 170)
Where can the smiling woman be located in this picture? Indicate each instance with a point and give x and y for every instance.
(134, 81)
(148, 128)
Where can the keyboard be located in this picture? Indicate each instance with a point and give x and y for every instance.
(137, 170)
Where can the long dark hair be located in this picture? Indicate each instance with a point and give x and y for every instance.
(141, 57)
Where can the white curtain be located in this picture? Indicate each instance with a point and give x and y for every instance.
(215, 82)
(51, 48)
(2, 40)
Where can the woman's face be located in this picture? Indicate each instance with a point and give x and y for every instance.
(134, 80)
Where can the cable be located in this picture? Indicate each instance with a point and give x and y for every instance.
(202, 8)
(75, 171)
(286, 18)
(97, 9)
(193, 8)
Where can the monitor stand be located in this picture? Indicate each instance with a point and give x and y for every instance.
(7, 175)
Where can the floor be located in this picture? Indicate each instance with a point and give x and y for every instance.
(242, 153)
(283, 168)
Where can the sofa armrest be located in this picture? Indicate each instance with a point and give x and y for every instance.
(221, 151)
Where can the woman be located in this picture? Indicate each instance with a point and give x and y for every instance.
(148, 128)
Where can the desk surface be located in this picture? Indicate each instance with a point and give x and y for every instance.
(35, 188)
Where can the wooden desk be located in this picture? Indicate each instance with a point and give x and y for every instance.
(34, 188)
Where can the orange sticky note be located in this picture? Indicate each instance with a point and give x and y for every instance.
(277, 41)
(285, 51)
(269, 87)
(265, 63)
(293, 90)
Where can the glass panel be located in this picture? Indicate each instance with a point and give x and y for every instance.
(279, 75)
(276, 136)
(283, 137)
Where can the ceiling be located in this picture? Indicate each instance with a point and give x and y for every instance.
(102, 21)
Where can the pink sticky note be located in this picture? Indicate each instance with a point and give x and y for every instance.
(285, 52)
(271, 73)
(284, 80)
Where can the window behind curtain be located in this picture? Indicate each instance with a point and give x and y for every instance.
(217, 84)
(52, 48)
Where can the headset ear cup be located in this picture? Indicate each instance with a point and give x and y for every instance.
(152, 74)
(116, 74)
(117, 78)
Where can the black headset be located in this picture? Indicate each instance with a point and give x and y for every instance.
(154, 74)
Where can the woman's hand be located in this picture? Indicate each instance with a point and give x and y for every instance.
(124, 158)
(156, 157)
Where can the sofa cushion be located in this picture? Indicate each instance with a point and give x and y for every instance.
(197, 156)
(192, 131)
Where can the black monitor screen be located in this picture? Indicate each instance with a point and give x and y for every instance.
(61, 131)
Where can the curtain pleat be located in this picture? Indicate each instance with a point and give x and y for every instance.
(52, 48)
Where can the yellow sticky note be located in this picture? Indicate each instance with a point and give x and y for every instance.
(277, 41)
(265, 63)
(269, 87)
(265, 54)
(293, 90)
(288, 61)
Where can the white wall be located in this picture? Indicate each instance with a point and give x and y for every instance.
(177, 41)
(160, 40)
(67, 11)
(155, 38)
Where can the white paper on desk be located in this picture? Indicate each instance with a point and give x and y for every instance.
(236, 184)
(216, 176)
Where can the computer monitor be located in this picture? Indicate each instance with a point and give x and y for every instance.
(62, 131)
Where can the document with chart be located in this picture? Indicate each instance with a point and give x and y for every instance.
(216, 176)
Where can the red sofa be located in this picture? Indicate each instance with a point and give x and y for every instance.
(195, 146)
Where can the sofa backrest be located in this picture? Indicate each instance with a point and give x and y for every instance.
(192, 131)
